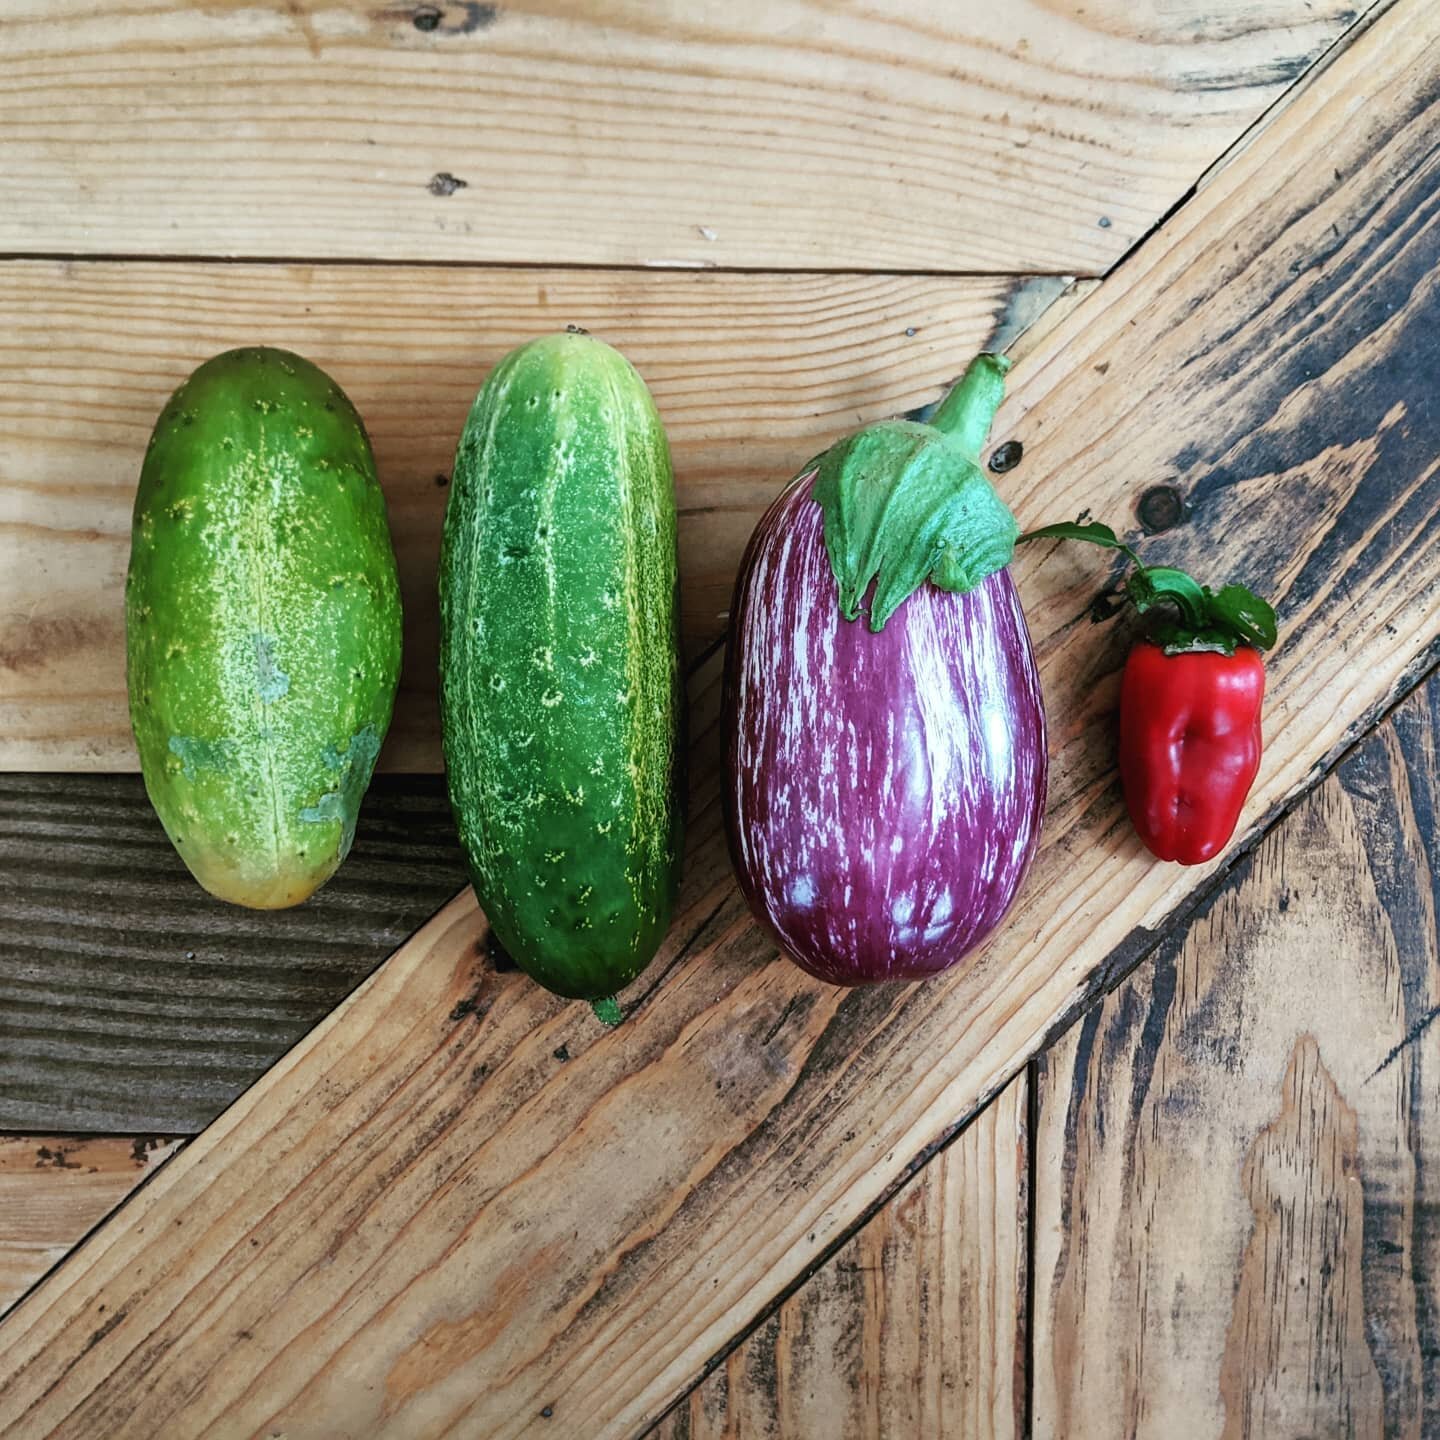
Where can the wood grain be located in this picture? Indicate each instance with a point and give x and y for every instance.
(54, 1188)
(1041, 135)
(915, 1327)
(460, 1206)
(753, 375)
(1237, 1215)
(132, 1001)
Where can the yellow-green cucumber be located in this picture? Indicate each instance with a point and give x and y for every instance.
(262, 619)
(559, 663)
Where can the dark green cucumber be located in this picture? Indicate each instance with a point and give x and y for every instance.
(262, 618)
(559, 663)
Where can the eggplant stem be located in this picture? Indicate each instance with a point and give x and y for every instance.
(968, 411)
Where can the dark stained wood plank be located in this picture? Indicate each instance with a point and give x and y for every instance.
(494, 1216)
(914, 1328)
(130, 1000)
(1042, 135)
(53, 1188)
(1238, 1153)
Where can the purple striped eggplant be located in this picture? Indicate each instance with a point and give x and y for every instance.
(885, 781)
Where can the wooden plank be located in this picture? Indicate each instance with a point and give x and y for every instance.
(915, 1327)
(1237, 1210)
(131, 1001)
(963, 137)
(916, 1323)
(54, 1188)
(753, 374)
(428, 1224)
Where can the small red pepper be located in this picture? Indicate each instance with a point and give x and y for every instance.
(1189, 704)
(1189, 746)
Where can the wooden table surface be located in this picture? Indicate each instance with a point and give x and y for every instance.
(1162, 1161)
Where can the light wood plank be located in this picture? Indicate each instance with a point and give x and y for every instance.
(426, 1224)
(54, 1188)
(914, 1327)
(1237, 1215)
(753, 374)
(1038, 135)
(131, 1001)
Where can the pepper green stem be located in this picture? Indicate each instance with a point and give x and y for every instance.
(968, 411)
(1208, 620)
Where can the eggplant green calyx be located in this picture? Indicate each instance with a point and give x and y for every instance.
(905, 503)
(1185, 615)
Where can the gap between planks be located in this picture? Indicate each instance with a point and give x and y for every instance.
(913, 1325)
(835, 272)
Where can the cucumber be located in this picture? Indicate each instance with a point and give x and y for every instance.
(560, 690)
(262, 619)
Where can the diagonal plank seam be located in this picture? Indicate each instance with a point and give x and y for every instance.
(8, 1307)
(56, 1188)
(1322, 62)
(1367, 17)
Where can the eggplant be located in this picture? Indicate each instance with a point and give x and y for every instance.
(885, 781)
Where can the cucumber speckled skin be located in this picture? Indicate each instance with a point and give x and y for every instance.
(262, 618)
(559, 663)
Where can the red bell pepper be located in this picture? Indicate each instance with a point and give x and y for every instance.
(1189, 704)
(1189, 746)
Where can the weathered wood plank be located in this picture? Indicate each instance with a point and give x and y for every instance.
(753, 374)
(54, 1188)
(1237, 1210)
(131, 1001)
(915, 1327)
(425, 1223)
(1043, 135)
